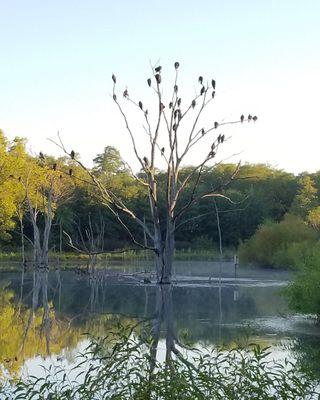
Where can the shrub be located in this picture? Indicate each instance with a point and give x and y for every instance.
(274, 243)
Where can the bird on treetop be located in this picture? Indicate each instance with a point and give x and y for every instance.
(125, 93)
(176, 65)
(202, 90)
(162, 150)
(170, 104)
(114, 78)
(193, 103)
(249, 117)
(149, 81)
(255, 118)
(158, 69)
(140, 105)
(175, 88)
(200, 80)
(213, 83)
(41, 156)
(216, 124)
(179, 101)
(222, 138)
(202, 131)
(72, 154)
(242, 118)
(146, 161)
(213, 93)
(158, 78)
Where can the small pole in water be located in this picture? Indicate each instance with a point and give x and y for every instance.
(236, 264)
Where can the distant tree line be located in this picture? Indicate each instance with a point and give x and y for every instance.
(259, 193)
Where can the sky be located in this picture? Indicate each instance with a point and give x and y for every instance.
(57, 58)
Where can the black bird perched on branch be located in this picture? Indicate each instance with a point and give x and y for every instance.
(175, 88)
(146, 161)
(149, 82)
(216, 124)
(255, 118)
(200, 79)
(158, 78)
(72, 154)
(41, 156)
(213, 93)
(114, 78)
(249, 117)
(193, 103)
(176, 65)
(140, 105)
(162, 106)
(70, 172)
(202, 131)
(158, 69)
(213, 83)
(170, 104)
(125, 93)
(162, 151)
(179, 101)
(202, 90)
(114, 97)
(222, 138)
(242, 118)
(54, 167)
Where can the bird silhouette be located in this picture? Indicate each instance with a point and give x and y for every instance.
(146, 161)
(70, 172)
(158, 69)
(213, 94)
(114, 97)
(176, 65)
(170, 104)
(175, 88)
(202, 131)
(179, 102)
(213, 83)
(41, 156)
(54, 166)
(149, 82)
(202, 90)
(200, 79)
(140, 105)
(158, 78)
(242, 118)
(193, 103)
(222, 138)
(114, 78)
(72, 154)
(162, 107)
(216, 124)
(125, 93)
(249, 117)
(255, 118)
(162, 151)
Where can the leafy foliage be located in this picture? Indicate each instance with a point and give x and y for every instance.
(126, 370)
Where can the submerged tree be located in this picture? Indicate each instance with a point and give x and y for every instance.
(172, 134)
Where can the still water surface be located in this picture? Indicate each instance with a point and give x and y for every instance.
(44, 320)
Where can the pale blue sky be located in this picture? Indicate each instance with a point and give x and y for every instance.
(57, 58)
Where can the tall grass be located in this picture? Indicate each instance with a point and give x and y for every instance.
(125, 369)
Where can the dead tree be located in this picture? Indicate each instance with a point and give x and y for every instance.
(173, 133)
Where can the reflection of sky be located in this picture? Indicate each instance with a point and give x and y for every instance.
(57, 59)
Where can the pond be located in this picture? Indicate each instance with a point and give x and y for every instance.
(46, 317)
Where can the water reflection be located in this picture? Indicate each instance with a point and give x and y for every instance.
(51, 311)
